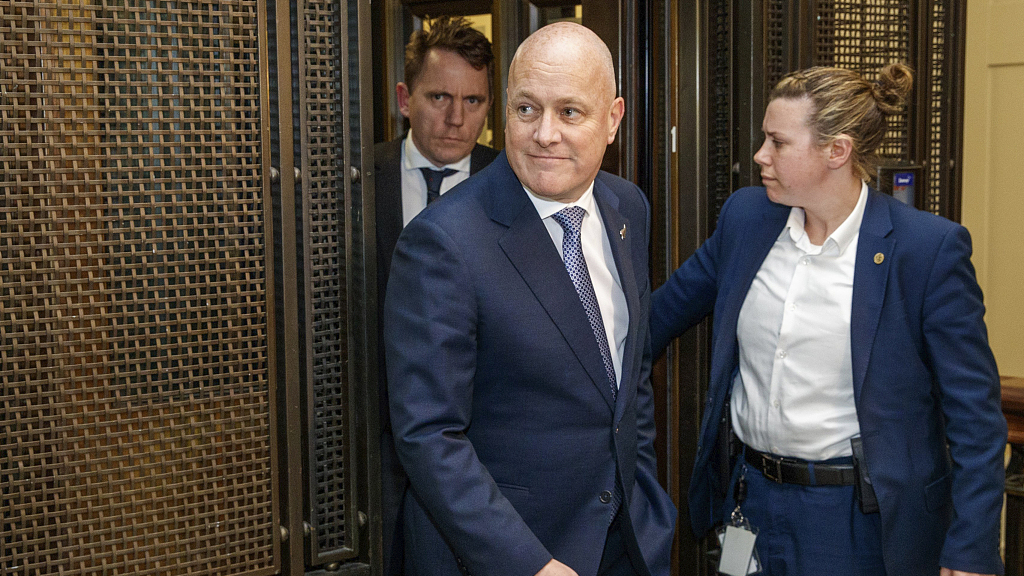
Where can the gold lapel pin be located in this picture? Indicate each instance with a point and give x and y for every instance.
(879, 258)
(622, 233)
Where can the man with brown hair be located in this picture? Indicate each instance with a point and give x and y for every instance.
(446, 96)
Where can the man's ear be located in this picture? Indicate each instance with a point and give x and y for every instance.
(840, 152)
(615, 114)
(402, 91)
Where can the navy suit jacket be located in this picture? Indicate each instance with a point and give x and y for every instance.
(387, 158)
(923, 374)
(502, 414)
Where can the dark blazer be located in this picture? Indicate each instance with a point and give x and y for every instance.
(387, 158)
(923, 374)
(502, 414)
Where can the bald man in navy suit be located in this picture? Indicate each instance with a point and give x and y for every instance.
(518, 346)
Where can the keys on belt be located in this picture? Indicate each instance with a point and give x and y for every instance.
(796, 471)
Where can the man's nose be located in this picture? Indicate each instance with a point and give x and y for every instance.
(547, 132)
(456, 112)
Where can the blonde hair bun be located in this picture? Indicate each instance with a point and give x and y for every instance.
(894, 84)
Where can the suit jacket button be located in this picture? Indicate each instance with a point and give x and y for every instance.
(606, 497)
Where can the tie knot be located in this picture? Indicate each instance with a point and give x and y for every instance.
(434, 177)
(570, 219)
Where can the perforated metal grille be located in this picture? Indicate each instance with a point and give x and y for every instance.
(774, 53)
(865, 35)
(720, 103)
(938, 151)
(135, 432)
(323, 129)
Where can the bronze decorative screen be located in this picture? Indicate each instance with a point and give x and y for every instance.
(861, 35)
(322, 130)
(720, 107)
(943, 140)
(136, 375)
(775, 62)
(865, 35)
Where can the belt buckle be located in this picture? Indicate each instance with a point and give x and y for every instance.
(770, 465)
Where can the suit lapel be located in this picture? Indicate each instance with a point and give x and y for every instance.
(480, 158)
(869, 281)
(617, 228)
(745, 265)
(528, 246)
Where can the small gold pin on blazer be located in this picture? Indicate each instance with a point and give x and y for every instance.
(879, 258)
(622, 233)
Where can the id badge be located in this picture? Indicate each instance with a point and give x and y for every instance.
(739, 556)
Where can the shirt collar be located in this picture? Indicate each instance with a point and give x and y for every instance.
(414, 159)
(840, 239)
(547, 207)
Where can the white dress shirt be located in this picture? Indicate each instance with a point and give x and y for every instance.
(793, 394)
(414, 187)
(597, 250)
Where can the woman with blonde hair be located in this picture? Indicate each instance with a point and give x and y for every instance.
(852, 420)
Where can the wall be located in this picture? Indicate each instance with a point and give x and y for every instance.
(993, 204)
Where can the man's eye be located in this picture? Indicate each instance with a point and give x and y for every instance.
(472, 99)
(437, 97)
(571, 113)
(525, 109)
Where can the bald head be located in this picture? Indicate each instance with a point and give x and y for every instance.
(568, 42)
(562, 111)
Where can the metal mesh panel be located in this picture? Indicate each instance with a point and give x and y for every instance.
(937, 150)
(720, 103)
(865, 35)
(774, 53)
(323, 177)
(135, 432)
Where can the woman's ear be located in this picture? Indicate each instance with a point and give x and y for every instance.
(840, 152)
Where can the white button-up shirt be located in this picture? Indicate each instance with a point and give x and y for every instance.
(414, 186)
(597, 250)
(793, 394)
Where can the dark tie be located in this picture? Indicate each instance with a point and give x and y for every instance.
(570, 219)
(434, 178)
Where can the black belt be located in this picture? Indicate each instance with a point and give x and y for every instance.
(796, 471)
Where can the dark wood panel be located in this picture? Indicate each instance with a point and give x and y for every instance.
(1013, 407)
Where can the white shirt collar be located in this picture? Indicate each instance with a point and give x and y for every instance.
(414, 160)
(547, 207)
(840, 239)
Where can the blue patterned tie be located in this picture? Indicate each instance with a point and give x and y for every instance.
(434, 178)
(570, 219)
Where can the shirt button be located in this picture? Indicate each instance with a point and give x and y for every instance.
(606, 497)
(805, 261)
(792, 306)
(776, 403)
(782, 353)
(775, 449)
